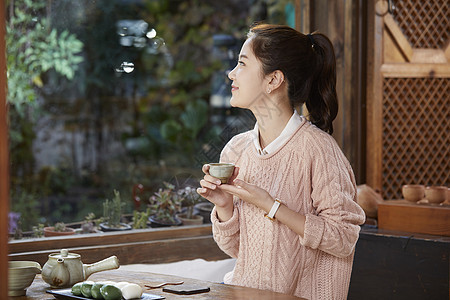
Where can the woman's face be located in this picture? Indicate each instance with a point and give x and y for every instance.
(248, 84)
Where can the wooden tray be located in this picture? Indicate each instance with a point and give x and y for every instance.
(412, 217)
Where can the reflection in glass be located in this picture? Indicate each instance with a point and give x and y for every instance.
(126, 67)
(107, 94)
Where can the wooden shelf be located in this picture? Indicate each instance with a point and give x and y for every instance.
(411, 217)
(153, 245)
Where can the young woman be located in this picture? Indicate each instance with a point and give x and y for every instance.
(288, 214)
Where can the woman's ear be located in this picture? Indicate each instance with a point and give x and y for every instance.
(276, 79)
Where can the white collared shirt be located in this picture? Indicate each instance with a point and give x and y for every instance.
(290, 128)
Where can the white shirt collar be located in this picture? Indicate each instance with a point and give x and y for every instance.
(290, 128)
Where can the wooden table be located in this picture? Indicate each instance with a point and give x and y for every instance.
(402, 215)
(38, 288)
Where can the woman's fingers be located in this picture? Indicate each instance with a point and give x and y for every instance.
(205, 168)
(247, 192)
(239, 188)
(207, 184)
(210, 191)
(208, 177)
(235, 174)
(202, 192)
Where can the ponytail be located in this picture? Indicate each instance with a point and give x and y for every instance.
(308, 64)
(322, 103)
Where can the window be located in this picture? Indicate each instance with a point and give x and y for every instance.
(104, 95)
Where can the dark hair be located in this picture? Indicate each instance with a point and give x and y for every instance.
(308, 64)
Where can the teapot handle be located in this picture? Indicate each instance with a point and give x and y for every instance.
(103, 265)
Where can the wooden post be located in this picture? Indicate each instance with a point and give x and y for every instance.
(374, 93)
(342, 22)
(302, 12)
(4, 162)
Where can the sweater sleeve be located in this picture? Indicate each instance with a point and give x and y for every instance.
(226, 234)
(334, 227)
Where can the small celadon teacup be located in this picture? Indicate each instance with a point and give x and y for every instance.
(222, 171)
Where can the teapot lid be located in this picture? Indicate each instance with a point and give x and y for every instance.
(64, 253)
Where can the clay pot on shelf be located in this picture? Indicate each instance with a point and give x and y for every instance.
(105, 227)
(50, 231)
(368, 199)
(155, 222)
(194, 220)
(204, 209)
(413, 192)
(436, 194)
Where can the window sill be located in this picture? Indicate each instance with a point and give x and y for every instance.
(152, 245)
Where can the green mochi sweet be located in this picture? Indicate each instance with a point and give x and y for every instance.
(111, 292)
(95, 291)
(86, 289)
(76, 289)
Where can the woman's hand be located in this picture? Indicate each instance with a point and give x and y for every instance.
(249, 193)
(252, 194)
(210, 190)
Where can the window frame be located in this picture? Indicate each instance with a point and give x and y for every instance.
(4, 162)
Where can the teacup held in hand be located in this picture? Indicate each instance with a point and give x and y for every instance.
(223, 171)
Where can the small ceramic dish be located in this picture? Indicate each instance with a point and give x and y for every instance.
(413, 192)
(20, 276)
(223, 171)
(436, 194)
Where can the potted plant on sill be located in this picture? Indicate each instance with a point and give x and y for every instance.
(89, 224)
(140, 219)
(59, 229)
(189, 198)
(204, 209)
(164, 205)
(112, 212)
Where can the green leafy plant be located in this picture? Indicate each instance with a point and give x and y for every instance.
(35, 52)
(90, 222)
(165, 203)
(26, 204)
(188, 28)
(140, 219)
(60, 227)
(193, 119)
(33, 48)
(38, 231)
(189, 197)
(112, 210)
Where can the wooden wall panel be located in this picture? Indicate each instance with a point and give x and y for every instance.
(342, 22)
(408, 95)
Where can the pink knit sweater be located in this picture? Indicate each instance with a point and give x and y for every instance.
(310, 175)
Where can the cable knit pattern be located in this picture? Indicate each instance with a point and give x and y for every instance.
(311, 175)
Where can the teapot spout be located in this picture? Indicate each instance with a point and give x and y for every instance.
(109, 263)
(60, 277)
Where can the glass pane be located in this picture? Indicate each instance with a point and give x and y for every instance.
(120, 96)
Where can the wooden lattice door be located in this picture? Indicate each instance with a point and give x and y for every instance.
(408, 94)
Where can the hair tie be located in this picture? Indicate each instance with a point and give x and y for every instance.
(311, 39)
